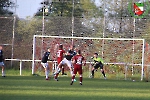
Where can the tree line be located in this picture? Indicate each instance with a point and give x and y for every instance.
(65, 17)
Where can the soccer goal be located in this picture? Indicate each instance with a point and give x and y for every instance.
(122, 56)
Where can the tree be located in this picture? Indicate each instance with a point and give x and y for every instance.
(4, 7)
(119, 22)
(68, 16)
(27, 28)
(61, 8)
(6, 22)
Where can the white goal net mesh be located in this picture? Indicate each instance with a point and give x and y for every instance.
(123, 58)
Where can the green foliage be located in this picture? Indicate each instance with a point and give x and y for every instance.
(83, 11)
(27, 28)
(62, 8)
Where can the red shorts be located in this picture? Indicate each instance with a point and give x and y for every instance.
(77, 68)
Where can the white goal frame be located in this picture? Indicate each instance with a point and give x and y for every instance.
(130, 39)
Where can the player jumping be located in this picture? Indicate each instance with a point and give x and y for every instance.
(60, 55)
(65, 62)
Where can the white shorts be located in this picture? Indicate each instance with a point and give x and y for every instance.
(65, 61)
(2, 64)
(45, 65)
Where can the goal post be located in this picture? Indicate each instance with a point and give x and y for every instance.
(114, 50)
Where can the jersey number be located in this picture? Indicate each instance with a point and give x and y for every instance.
(79, 60)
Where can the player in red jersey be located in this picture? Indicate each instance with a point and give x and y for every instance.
(60, 55)
(65, 62)
(77, 62)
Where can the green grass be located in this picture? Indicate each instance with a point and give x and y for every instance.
(37, 88)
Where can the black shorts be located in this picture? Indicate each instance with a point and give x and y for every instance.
(99, 65)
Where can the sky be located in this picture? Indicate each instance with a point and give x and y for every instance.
(27, 7)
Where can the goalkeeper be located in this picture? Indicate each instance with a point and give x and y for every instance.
(98, 63)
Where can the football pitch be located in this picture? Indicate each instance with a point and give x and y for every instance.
(37, 88)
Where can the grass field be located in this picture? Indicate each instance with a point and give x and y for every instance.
(37, 88)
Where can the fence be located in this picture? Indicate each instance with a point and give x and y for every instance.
(113, 21)
(119, 71)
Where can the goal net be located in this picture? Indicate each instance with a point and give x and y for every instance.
(123, 58)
